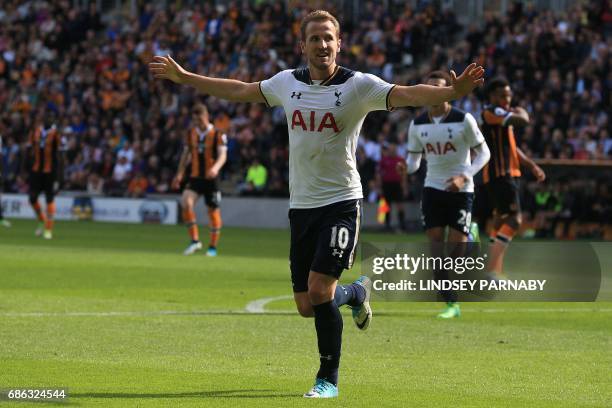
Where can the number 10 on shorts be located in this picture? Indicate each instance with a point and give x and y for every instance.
(339, 237)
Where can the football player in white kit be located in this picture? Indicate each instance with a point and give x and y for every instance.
(325, 106)
(446, 135)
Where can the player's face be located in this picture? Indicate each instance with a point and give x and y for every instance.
(437, 82)
(321, 44)
(503, 97)
(200, 119)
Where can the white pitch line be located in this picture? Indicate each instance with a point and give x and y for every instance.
(258, 306)
(121, 314)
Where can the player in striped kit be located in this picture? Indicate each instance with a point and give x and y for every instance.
(203, 156)
(46, 153)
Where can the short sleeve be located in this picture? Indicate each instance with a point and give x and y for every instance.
(414, 143)
(473, 135)
(222, 140)
(273, 87)
(62, 143)
(373, 91)
(497, 116)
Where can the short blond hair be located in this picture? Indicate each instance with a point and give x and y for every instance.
(319, 15)
(199, 108)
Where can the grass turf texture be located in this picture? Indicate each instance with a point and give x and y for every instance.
(189, 342)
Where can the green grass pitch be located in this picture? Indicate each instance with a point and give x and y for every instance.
(117, 315)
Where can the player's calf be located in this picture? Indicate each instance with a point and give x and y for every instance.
(500, 243)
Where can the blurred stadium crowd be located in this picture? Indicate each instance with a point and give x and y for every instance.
(124, 131)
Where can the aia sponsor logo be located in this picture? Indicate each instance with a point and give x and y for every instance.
(313, 122)
(438, 148)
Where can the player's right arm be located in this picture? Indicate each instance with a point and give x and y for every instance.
(180, 173)
(519, 117)
(498, 116)
(228, 89)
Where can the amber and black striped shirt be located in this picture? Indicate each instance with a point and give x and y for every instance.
(45, 145)
(500, 139)
(203, 146)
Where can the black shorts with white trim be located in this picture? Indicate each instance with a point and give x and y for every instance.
(323, 240)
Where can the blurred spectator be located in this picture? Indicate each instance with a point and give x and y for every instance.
(95, 184)
(91, 69)
(256, 179)
(392, 184)
(137, 186)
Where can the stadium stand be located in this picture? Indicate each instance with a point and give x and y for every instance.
(124, 132)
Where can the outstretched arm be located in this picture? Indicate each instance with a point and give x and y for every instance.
(229, 89)
(427, 95)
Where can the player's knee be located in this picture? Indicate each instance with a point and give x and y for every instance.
(187, 204)
(515, 220)
(305, 309)
(318, 293)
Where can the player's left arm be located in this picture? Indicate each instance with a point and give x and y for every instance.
(61, 160)
(531, 165)
(221, 159)
(481, 154)
(427, 95)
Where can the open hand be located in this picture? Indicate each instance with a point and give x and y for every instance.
(455, 183)
(176, 183)
(212, 173)
(471, 78)
(401, 168)
(538, 173)
(166, 68)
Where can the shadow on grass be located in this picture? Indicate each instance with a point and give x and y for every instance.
(200, 394)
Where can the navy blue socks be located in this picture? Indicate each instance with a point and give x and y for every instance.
(328, 323)
(352, 295)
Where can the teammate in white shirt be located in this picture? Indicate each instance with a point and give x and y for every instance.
(446, 135)
(325, 105)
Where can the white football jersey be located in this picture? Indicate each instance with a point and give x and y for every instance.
(446, 146)
(324, 123)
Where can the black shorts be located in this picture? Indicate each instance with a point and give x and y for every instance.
(42, 182)
(441, 208)
(392, 192)
(207, 188)
(323, 240)
(503, 195)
